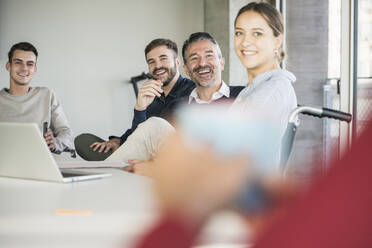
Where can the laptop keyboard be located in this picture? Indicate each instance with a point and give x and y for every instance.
(69, 174)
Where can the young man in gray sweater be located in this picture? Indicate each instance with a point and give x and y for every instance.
(22, 103)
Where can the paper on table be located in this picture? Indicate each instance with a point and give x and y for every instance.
(91, 164)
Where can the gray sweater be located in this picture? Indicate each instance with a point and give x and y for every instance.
(38, 105)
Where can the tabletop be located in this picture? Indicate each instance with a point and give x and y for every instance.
(108, 212)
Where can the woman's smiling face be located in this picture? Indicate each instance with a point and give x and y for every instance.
(255, 43)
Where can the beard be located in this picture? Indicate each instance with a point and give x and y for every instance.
(171, 74)
(205, 84)
(172, 71)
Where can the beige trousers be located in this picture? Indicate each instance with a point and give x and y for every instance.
(145, 141)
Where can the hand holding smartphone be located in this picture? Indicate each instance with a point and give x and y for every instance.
(230, 134)
(45, 128)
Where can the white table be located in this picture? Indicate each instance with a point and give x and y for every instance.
(110, 212)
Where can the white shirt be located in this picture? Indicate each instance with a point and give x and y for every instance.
(223, 91)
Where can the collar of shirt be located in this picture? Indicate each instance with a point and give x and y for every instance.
(172, 94)
(8, 90)
(262, 78)
(223, 91)
(175, 89)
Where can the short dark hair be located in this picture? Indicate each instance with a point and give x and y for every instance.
(198, 36)
(24, 46)
(161, 42)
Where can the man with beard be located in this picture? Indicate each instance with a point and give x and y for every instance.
(156, 97)
(203, 63)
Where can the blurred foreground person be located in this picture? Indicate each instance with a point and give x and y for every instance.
(192, 183)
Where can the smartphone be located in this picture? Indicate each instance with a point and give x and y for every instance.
(232, 133)
(45, 127)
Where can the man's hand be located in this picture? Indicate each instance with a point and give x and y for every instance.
(147, 93)
(111, 144)
(195, 181)
(49, 139)
(140, 167)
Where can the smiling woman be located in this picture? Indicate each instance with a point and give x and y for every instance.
(258, 40)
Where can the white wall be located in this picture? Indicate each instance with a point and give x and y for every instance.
(89, 49)
(238, 74)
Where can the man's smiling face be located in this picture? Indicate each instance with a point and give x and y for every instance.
(163, 64)
(22, 67)
(204, 64)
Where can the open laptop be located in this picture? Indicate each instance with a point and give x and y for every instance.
(25, 154)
